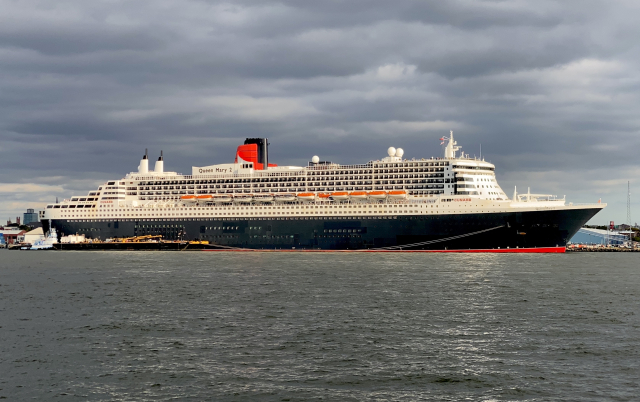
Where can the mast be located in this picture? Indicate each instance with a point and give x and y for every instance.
(451, 148)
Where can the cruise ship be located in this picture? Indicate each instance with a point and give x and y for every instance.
(446, 204)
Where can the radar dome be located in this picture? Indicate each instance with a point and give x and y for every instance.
(399, 152)
(391, 151)
(315, 159)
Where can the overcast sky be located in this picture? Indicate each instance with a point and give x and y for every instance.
(550, 89)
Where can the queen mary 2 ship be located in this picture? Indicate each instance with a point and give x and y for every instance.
(453, 203)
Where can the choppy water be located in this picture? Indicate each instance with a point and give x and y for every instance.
(305, 326)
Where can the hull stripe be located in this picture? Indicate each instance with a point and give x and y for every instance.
(496, 250)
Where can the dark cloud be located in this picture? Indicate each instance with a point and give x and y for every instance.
(548, 89)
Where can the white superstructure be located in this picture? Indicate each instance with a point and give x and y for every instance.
(454, 184)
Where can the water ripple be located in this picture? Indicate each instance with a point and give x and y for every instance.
(264, 326)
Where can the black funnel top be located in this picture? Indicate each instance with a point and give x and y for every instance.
(263, 150)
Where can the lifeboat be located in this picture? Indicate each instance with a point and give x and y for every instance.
(204, 198)
(358, 195)
(263, 197)
(340, 195)
(324, 196)
(243, 198)
(285, 197)
(222, 198)
(398, 194)
(306, 196)
(188, 198)
(378, 195)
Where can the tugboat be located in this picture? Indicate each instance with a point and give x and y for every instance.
(48, 242)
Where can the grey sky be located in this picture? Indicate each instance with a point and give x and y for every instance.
(550, 89)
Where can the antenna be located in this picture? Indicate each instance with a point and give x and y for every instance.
(629, 205)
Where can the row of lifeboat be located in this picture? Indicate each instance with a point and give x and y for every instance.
(289, 197)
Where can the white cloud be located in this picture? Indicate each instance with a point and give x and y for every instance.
(394, 72)
(395, 127)
(131, 115)
(258, 109)
(103, 80)
(28, 188)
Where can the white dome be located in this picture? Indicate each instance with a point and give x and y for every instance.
(315, 159)
(399, 152)
(391, 151)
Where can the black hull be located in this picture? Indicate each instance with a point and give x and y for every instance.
(531, 229)
(118, 246)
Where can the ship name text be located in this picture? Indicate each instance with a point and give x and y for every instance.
(216, 170)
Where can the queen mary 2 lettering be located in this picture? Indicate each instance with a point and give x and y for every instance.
(451, 203)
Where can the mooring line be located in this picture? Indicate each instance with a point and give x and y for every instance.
(424, 243)
(389, 248)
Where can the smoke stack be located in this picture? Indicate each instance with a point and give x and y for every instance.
(144, 163)
(265, 154)
(159, 168)
(263, 150)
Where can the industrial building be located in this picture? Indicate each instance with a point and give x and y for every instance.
(598, 236)
(11, 235)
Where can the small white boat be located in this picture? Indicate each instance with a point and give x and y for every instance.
(358, 195)
(285, 197)
(263, 197)
(222, 198)
(243, 198)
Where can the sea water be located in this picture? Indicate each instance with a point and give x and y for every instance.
(157, 326)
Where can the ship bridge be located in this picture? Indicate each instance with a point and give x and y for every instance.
(472, 176)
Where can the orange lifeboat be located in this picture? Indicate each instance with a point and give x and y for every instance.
(306, 196)
(206, 197)
(340, 196)
(324, 196)
(378, 195)
(188, 198)
(398, 194)
(358, 195)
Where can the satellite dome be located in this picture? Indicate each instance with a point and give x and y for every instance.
(315, 159)
(391, 151)
(399, 152)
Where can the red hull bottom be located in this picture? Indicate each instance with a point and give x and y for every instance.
(495, 250)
